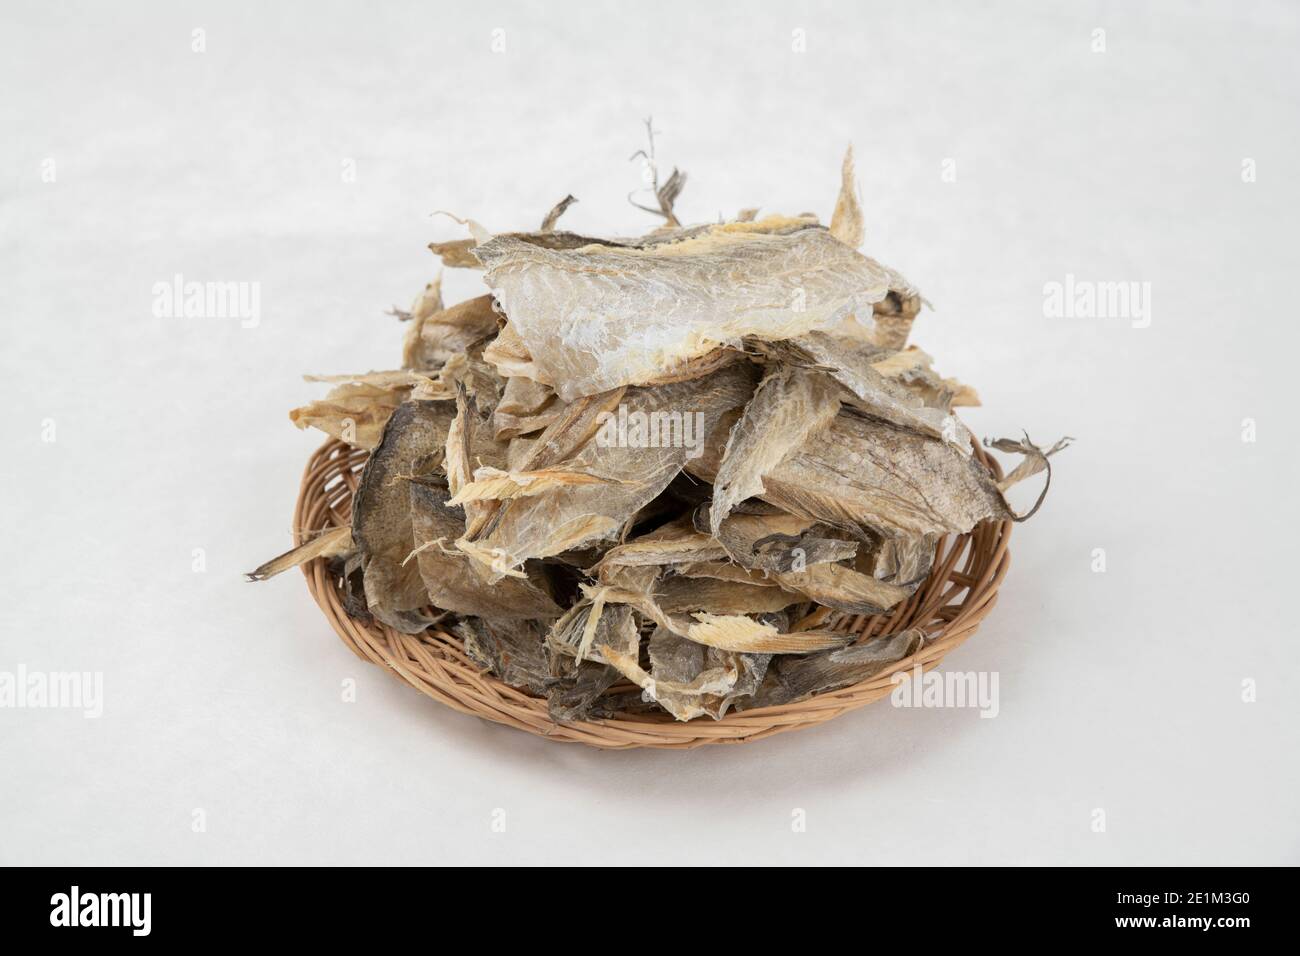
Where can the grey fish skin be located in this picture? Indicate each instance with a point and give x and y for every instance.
(451, 581)
(413, 444)
(512, 650)
(792, 679)
(573, 699)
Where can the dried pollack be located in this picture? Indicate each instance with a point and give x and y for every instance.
(649, 474)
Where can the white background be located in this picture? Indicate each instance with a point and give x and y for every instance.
(1119, 690)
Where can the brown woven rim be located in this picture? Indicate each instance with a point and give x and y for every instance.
(960, 591)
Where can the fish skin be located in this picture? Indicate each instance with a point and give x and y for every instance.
(571, 517)
(453, 582)
(599, 316)
(789, 406)
(865, 474)
(792, 679)
(412, 445)
(512, 650)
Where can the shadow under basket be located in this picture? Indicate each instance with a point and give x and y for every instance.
(960, 591)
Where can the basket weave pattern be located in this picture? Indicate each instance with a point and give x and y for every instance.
(960, 591)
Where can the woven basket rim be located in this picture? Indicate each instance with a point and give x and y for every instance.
(969, 566)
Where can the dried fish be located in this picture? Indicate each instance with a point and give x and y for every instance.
(736, 632)
(413, 446)
(901, 559)
(573, 698)
(636, 469)
(690, 680)
(660, 473)
(510, 649)
(525, 407)
(893, 315)
(333, 543)
(865, 473)
(439, 335)
(601, 316)
(357, 410)
(353, 582)
(777, 542)
(716, 596)
(674, 543)
(452, 581)
(852, 364)
(795, 678)
(789, 406)
(912, 369)
(1035, 460)
(844, 589)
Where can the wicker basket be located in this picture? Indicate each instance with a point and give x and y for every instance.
(961, 590)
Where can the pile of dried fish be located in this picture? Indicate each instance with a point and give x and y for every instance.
(655, 472)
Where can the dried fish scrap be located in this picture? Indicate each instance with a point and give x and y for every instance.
(642, 474)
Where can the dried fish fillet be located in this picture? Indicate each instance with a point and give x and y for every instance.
(674, 543)
(863, 472)
(573, 698)
(692, 680)
(601, 316)
(588, 629)
(525, 407)
(575, 515)
(899, 559)
(689, 680)
(677, 595)
(790, 405)
(451, 580)
(468, 369)
(412, 446)
(893, 315)
(471, 447)
(510, 649)
(777, 542)
(511, 358)
(796, 678)
(852, 363)
(833, 585)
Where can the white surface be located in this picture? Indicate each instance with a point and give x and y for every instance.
(1119, 691)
